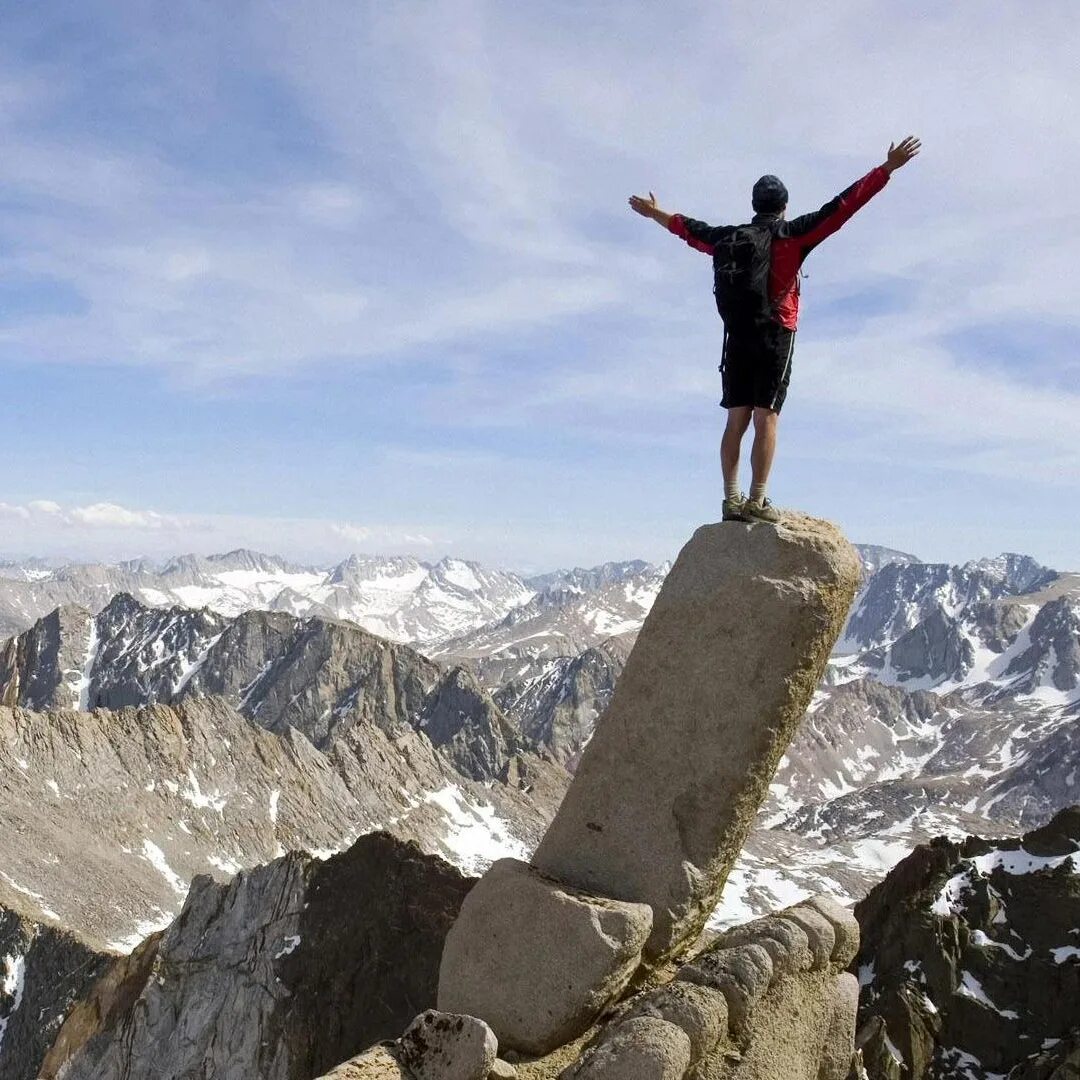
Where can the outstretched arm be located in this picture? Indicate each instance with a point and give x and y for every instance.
(696, 233)
(815, 227)
(648, 208)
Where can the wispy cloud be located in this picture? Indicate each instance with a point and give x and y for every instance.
(110, 531)
(44, 514)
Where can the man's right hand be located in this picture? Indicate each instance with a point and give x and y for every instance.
(899, 156)
(645, 207)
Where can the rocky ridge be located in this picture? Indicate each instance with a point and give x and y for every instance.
(317, 676)
(970, 959)
(396, 597)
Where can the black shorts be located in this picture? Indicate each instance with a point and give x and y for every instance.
(756, 365)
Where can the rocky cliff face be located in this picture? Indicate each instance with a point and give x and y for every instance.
(47, 667)
(280, 973)
(970, 959)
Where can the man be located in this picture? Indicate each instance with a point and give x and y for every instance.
(756, 270)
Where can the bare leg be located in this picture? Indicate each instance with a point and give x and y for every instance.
(738, 420)
(761, 455)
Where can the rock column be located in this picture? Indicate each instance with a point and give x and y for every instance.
(712, 694)
(669, 787)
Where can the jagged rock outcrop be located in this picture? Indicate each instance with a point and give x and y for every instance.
(279, 974)
(970, 958)
(671, 781)
(105, 817)
(460, 719)
(43, 971)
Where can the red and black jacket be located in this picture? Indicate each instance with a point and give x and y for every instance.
(792, 240)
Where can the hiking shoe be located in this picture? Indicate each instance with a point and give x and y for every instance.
(735, 509)
(760, 511)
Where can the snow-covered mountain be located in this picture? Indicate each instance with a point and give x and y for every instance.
(900, 595)
(398, 598)
(571, 612)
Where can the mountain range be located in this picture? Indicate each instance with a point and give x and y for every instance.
(948, 706)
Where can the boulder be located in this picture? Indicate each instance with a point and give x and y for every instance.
(721, 673)
(447, 1046)
(820, 933)
(644, 1048)
(700, 1011)
(845, 928)
(742, 974)
(537, 960)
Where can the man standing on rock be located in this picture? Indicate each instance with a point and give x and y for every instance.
(756, 283)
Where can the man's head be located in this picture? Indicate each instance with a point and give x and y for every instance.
(769, 196)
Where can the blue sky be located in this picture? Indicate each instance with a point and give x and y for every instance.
(324, 277)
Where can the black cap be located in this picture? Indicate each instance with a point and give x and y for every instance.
(770, 195)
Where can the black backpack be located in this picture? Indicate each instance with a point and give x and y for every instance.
(741, 263)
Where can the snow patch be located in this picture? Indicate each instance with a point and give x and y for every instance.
(80, 690)
(37, 897)
(156, 857)
(194, 795)
(289, 945)
(142, 931)
(224, 864)
(12, 985)
(476, 836)
(970, 987)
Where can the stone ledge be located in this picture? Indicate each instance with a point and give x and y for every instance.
(707, 1011)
